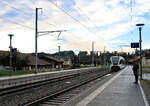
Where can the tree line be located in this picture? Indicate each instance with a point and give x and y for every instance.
(83, 57)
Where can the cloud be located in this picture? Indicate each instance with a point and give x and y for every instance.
(126, 49)
(146, 46)
(106, 20)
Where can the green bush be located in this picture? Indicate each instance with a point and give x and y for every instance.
(145, 66)
(4, 73)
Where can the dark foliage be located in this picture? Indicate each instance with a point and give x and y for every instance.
(18, 61)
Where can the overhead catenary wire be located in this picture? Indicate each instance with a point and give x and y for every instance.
(19, 10)
(131, 17)
(17, 23)
(87, 17)
(131, 9)
(63, 10)
(6, 3)
(13, 7)
(48, 22)
(12, 21)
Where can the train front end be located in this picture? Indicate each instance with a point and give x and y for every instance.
(114, 66)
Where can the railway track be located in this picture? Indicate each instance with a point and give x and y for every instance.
(65, 95)
(15, 89)
(35, 93)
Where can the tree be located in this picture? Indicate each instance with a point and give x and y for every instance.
(4, 59)
(18, 60)
(83, 53)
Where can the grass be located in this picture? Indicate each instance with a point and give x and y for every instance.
(147, 82)
(12, 73)
(4, 73)
(146, 69)
(146, 72)
(145, 66)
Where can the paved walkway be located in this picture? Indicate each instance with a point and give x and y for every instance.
(119, 91)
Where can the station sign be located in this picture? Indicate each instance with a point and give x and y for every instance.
(135, 45)
(14, 49)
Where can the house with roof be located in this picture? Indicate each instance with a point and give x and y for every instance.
(43, 63)
(55, 63)
(146, 59)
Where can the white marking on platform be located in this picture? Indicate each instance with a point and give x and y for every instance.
(68, 82)
(89, 98)
(143, 94)
(107, 75)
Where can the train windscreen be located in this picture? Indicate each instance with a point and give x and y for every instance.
(115, 60)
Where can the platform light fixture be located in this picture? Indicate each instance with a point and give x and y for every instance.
(140, 42)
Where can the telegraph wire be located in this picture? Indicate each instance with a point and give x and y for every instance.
(48, 22)
(14, 22)
(131, 18)
(131, 10)
(72, 17)
(8, 5)
(86, 16)
(17, 23)
(45, 15)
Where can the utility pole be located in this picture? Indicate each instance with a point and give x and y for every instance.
(93, 53)
(40, 33)
(79, 57)
(10, 47)
(140, 41)
(36, 35)
(59, 67)
(104, 57)
(59, 52)
(36, 30)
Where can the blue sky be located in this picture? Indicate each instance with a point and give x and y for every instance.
(106, 22)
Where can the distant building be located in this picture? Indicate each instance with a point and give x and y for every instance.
(45, 62)
(66, 59)
(145, 59)
(55, 63)
(41, 64)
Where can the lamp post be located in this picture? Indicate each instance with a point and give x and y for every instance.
(92, 53)
(140, 42)
(10, 47)
(59, 52)
(104, 58)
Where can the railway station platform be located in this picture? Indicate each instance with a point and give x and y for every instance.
(118, 91)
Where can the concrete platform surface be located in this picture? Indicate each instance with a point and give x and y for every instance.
(119, 91)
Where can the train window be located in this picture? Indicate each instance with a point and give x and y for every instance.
(122, 62)
(115, 59)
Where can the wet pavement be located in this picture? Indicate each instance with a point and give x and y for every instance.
(119, 91)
